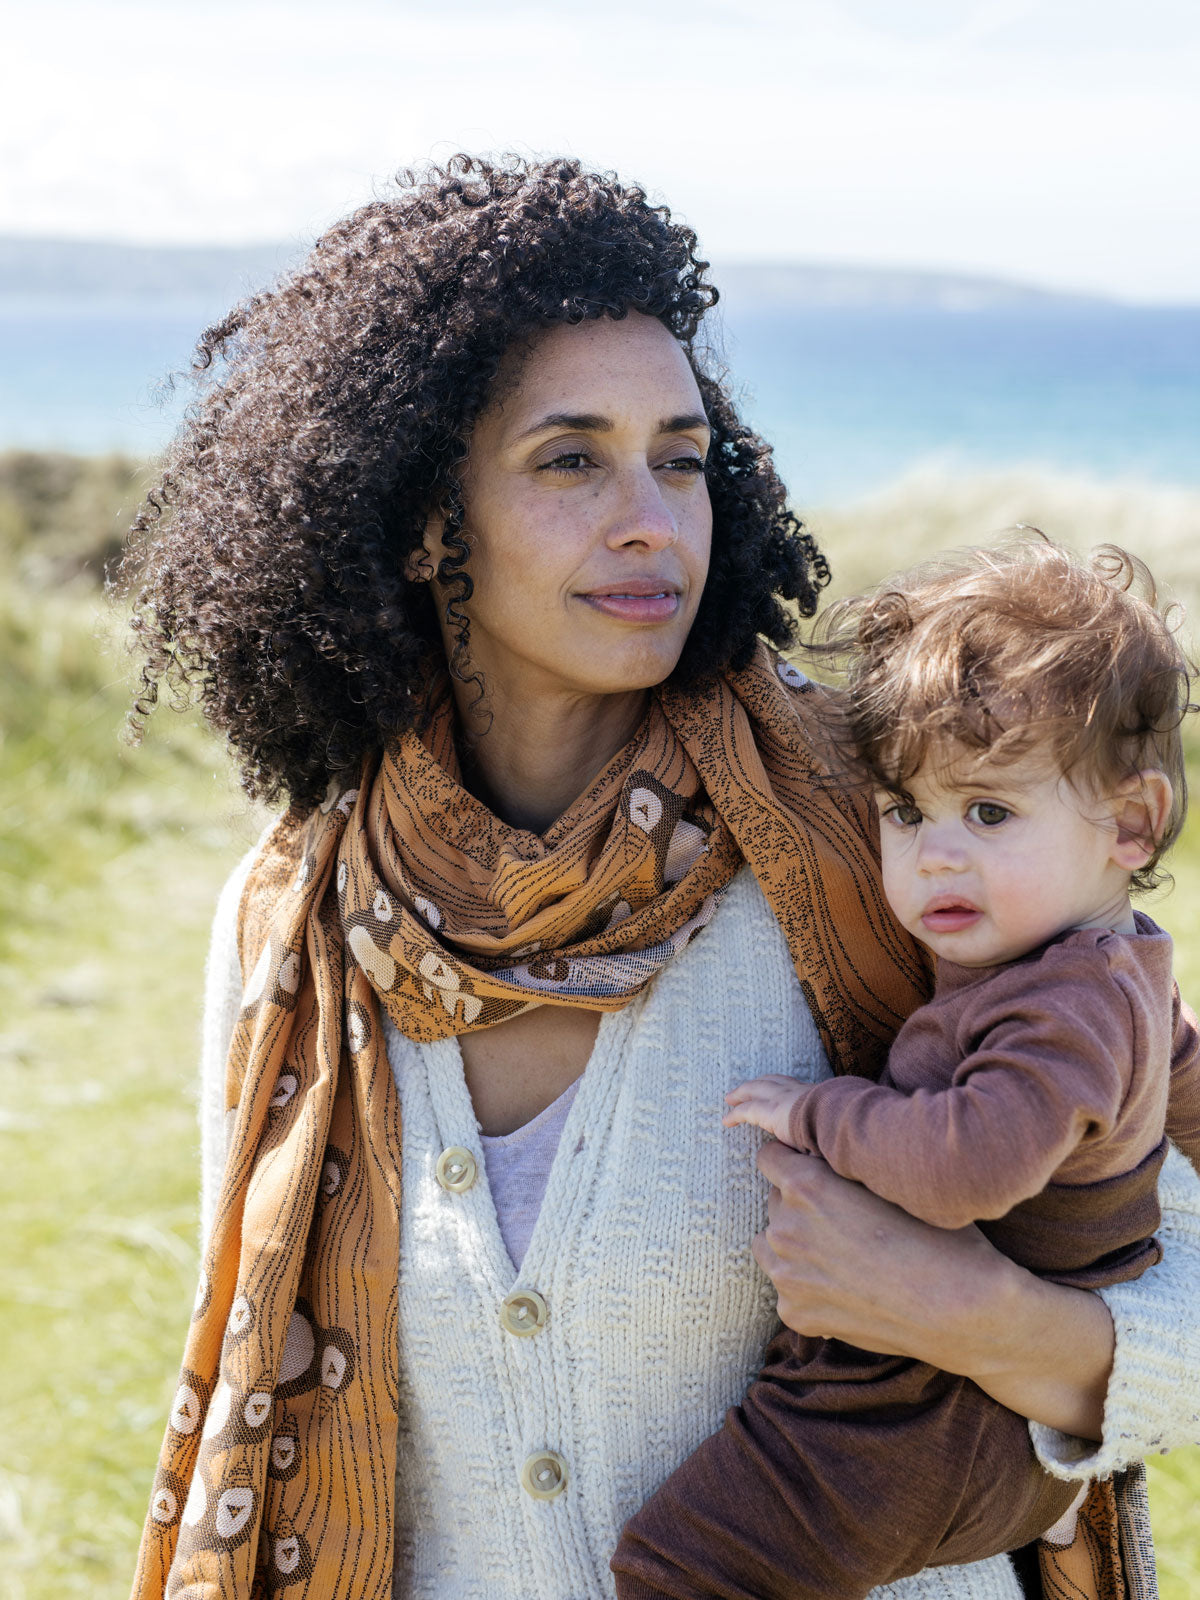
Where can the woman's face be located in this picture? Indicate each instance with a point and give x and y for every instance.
(587, 513)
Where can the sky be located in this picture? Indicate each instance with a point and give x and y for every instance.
(1056, 142)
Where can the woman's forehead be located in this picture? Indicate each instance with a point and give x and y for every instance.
(616, 369)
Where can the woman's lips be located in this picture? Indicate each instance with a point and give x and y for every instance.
(950, 917)
(636, 602)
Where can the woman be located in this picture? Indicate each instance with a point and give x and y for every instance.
(469, 557)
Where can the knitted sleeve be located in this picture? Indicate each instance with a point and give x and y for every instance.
(1183, 1112)
(1153, 1401)
(222, 1000)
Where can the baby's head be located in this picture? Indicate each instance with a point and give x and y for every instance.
(1017, 711)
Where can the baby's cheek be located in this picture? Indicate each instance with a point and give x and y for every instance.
(899, 885)
(1020, 901)
(1017, 879)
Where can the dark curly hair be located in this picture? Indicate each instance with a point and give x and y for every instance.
(332, 416)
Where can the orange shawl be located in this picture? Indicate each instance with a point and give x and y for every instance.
(407, 894)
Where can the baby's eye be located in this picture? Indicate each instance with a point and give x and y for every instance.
(903, 816)
(988, 813)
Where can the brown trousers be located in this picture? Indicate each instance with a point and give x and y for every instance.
(841, 1470)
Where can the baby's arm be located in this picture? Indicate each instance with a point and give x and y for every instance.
(1043, 1073)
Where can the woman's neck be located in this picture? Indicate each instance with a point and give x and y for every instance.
(530, 761)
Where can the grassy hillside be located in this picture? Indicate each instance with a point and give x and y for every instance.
(110, 859)
(928, 512)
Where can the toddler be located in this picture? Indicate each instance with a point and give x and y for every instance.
(1017, 714)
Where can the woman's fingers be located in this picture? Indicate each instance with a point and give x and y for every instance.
(789, 1172)
(850, 1266)
(763, 1252)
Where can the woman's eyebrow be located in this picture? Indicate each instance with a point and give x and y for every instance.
(687, 423)
(573, 421)
(592, 422)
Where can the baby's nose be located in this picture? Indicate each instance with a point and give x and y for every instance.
(941, 850)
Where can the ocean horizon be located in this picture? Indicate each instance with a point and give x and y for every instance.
(852, 396)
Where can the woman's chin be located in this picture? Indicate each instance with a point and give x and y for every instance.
(629, 659)
(631, 673)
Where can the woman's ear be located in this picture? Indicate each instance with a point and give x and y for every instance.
(1141, 807)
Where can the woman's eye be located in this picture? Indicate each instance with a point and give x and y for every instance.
(686, 464)
(988, 813)
(568, 461)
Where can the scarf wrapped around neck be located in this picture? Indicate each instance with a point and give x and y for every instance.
(406, 896)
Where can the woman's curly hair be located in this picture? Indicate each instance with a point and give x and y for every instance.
(332, 417)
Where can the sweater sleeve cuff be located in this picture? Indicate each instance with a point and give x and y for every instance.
(1153, 1399)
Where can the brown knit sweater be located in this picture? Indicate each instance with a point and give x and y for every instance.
(1050, 1068)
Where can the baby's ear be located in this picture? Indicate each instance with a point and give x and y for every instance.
(1141, 808)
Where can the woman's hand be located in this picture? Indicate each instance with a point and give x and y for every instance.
(848, 1265)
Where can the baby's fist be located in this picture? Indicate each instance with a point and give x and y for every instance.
(766, 1103)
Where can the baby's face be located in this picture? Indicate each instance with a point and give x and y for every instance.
(994, 858)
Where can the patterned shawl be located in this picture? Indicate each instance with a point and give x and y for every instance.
(407, 894)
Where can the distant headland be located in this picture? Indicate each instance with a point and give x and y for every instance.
(795, 284)
(209, 278)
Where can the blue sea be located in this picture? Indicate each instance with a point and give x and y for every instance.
(851, 398)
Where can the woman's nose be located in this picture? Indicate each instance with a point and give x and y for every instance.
(642, 516)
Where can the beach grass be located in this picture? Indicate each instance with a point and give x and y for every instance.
(110, 861)
(930, 511)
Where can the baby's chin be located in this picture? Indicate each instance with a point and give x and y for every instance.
(974, 944)
(967, 941)
(969, 958)
(983, 947)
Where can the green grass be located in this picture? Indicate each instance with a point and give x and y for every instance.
(110, 860)
(930, 511)
(109, 863)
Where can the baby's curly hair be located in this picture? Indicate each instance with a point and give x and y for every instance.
(333, 416)
(1008, 648)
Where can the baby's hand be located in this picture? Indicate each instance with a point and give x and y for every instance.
(766, 1103)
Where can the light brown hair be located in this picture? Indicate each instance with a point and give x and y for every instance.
(1005, 648)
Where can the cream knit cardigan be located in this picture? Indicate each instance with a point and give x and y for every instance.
(657, 1313)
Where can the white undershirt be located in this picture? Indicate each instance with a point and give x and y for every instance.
(518, 1166)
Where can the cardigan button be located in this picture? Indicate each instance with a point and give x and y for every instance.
(544, 1475)
(456, 1169)
(523, 1312)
